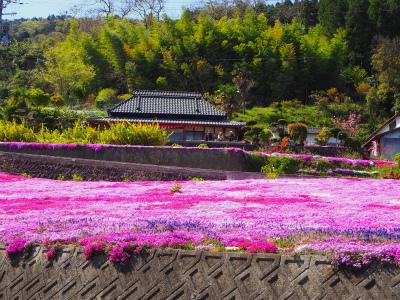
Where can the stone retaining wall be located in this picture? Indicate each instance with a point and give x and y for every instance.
(173, 274)
(93, 170)
(215, 159)
(42, 166)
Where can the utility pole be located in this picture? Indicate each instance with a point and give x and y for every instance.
(4, 38)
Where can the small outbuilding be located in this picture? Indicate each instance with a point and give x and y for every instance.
(312, 133)
(385, 142)
(186, 115)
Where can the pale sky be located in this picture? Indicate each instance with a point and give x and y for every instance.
(44, 8)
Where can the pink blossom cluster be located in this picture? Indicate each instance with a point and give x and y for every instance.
(351, 125)
(340, 215)
(51, 253)
(16, 246)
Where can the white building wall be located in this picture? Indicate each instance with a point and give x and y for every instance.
(387, 127)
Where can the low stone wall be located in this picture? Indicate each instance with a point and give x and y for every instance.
(54, 167)
(215, 159)
(175, 274)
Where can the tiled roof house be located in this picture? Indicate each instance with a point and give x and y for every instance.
(186, 114)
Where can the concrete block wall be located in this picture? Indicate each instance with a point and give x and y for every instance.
(215, 159)
(176, 274)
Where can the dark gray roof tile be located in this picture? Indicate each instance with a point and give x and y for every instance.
(164, 104)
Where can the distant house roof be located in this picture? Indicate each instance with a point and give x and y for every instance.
(380, 131)
(167, 105)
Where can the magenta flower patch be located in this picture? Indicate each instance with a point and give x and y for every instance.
(358, 219)
(16, 246)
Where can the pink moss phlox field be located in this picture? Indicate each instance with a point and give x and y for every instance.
(347, 216)
(96, 147)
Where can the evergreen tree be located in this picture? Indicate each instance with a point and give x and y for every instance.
(359, 31)
(332, 14)
(384, 14)
(309, 13)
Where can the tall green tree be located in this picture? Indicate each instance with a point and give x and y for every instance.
(309, 13)
(384, 14)
(359, 31)
(332, 14)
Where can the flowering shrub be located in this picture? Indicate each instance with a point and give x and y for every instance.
(17, 246)
(92, 247)
(317, 165)
(257, 246)
(121, 252)
(351, 124)
(51, 252)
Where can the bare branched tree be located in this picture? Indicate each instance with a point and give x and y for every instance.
(106, 7)
(145, 8)
(244, 84)
(124, 8)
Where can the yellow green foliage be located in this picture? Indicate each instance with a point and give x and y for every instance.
(118, 134)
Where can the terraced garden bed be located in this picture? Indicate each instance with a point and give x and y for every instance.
(354, 221)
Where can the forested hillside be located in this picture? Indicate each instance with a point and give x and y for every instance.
(325, 58)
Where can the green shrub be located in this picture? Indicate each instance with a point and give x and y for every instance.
(397, 158)
(129, 134)
(390, 172)
(197, 179)
(77, 177)
(298, 132)
(37, 97)
(255, 162)
(284, 165)
(323, 165)
(120, 134)
(270, 172)
(253, 134)
(13, 132)
(265, 136)
(175, 145)
(26, 175)
(106, 98)
(202, 146)
(323, 137)
(177, 188)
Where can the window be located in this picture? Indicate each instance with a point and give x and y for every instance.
(176, 136)
(194, 136)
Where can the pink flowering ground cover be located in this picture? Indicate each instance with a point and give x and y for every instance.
(357, 220)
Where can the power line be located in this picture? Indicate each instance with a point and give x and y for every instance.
(4, 35)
